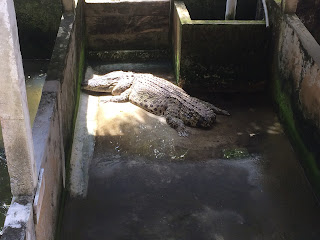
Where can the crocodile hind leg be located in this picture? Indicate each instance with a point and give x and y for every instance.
(171, 114)
(123, 97)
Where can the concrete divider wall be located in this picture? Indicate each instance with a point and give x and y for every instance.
(295, 84)
(213, 55)
(52, 134)
(127, 25)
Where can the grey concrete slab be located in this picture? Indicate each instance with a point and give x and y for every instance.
(14, 112)
(238, 180)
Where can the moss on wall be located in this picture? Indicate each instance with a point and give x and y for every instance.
(38, 23)
(287, 102)
(287, 117)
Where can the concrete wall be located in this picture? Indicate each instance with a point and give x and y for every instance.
(295, 84)
(52, 132)
(38, 23)
(219, 55)
(127, 25)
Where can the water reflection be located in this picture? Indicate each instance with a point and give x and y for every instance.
(35, 74)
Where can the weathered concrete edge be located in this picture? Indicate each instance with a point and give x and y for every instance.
(19, 220)
(83, 145)
(182, 12)
(307, 40)
(59, 55)
(227, 22)
(48, 107)
(283, 100)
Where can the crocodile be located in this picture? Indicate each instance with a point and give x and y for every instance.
(155, 95)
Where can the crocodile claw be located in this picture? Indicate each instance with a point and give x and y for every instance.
(183, 133)
(224, 112)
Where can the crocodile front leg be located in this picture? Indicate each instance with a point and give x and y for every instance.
(171, 114)
(123, 97)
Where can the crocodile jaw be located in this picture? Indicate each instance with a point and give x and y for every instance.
(105, 83)
(98, 85)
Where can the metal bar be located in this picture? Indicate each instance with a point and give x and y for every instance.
(266, 15)
(231, 8)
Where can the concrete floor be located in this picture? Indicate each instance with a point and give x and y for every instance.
(146, 182)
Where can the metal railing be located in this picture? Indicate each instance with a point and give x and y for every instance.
(231, 7)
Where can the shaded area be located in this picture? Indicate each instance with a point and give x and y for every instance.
(215, 9)
(38, 24)
(309, 13)
(145, 182)
(5, 191)
(35, 74)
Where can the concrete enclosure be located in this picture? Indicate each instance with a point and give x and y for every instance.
(214, 55)
(208, 55)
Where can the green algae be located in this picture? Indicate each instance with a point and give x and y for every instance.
(235, 153)
(286, 115)
(282, 98)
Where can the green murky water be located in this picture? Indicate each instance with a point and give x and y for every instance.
(35, 74)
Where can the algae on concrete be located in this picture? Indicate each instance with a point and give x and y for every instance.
(235, 153)
(284, 99)
(286, 115)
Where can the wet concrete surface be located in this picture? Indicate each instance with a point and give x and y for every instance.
(146, 182)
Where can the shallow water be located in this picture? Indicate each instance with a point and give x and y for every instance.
(35, 74)
(239, 180)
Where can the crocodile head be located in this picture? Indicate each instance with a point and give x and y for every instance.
(101, 83)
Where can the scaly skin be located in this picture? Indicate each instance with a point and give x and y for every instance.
(158, 96)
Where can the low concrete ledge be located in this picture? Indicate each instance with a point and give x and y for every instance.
(19, 221)
(42, 125)
(83, 145)
(58, 59)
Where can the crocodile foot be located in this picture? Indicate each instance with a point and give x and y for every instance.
(183, 133)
